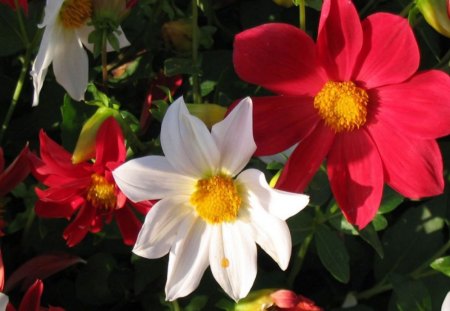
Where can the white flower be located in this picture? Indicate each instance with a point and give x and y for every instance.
(4, 300)
(446, 303)
(66, 31)
(208, 216)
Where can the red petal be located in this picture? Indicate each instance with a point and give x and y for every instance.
(16, 172)
(419, 107)
(281, 121)
(57, 209)
(2, 273)
(128, 225)
(77, 230)
(142, 207)
(279, 57)
(413, 167)
(110, 144)
(31, 301)
(340, 38)
(355, 172)
(2, 160)
(387, 35)
(306, 160)
(40, 267)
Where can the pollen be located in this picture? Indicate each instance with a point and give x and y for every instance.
(342, 105)
(74, 13)
(225, 263)
(101, 193)
(216, 199)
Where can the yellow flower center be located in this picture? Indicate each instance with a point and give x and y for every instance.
(216, 199)
(101, 193)
(342, 105)
(74, 13)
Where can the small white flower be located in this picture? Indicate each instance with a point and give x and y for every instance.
(66, 31)
(208, 215)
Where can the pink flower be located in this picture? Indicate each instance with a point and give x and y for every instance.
(86, 193)
(22, 3)
(286, 300)
(354, 98)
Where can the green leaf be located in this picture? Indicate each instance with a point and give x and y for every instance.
(410, 294)
(379, 222)
(332, 253)
(9, 32)
(391, 200)
(301, 225)
(370, 235)
(175, 66)
(197, 303)
(442, 265)
(207, 87)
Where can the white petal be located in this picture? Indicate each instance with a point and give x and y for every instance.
(232, 258)
(151, 178)
(161, 226)
(43, 60)
(234, 138)
(187, 143)
(188, 260)
(446, 303)
(52, 9)
(278, 203)
(3, 301)
(70, 64)
(272, 234)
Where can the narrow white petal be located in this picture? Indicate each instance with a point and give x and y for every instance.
(187, 143)
(161, 226)
(188, 260)
(3, 301)
(43, 60)
(52, 9)
(151, 178)
(446, 303)
(70, 64)
(232, 258)
(278, 203)
(234, 137)
(272, 234)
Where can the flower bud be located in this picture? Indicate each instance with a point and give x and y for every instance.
(114, 10)
(178, 34)
(210, 114)
(437, 15)
(256, 300)
(85, 147)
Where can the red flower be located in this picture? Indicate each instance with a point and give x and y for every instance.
(12, 4)
(86, 192)
(286, 300)
(354, 98)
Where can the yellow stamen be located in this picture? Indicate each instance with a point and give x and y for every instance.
(101, 194)
(74, 13)
(342, 105)
(216, 199)
(225, 263)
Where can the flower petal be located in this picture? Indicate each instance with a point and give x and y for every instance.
(57, 202)
(292, 118)
(188, 260)
(234, 137)
(279, 57)
(161, 226)
(276, 202)
(306, 159)
(446, 303)
(79, 227)
(43, 60)
(4, 300)
(419, 107)
(387, 34)
(150, 178)
(129, 225)
(232, 258)
(70, 63)
(110, 144)
(340, 38)
(52, 8)
(187, 143)
(355, 172)
(272, 234)
(413, 167)
(31, 301)
(15, 172)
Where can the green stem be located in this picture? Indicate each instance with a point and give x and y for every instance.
(302, 14)
(175, 306)
(17, 92)
(377, 289)
(195, 43)
(405, 11)
(300, 259)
